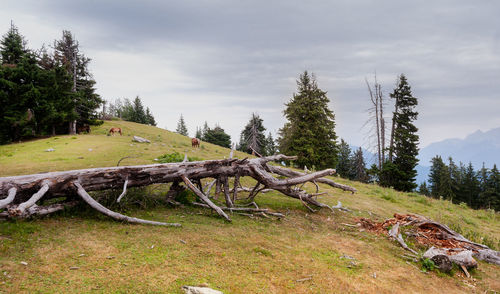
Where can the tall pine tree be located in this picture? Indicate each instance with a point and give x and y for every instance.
(252, 138)
(405, 148)
(359, 167)
(309, 131)
(344, 166)
(181, 127)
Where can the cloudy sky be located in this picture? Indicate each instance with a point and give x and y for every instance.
(219, 61)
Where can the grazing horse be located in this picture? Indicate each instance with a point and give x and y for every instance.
(83, 128)
(115, 130)
(195, 142)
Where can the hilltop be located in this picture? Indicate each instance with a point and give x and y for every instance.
(303, 253)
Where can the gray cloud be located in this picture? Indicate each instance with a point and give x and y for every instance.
(221, 60)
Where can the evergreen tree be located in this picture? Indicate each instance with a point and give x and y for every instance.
(12, 46)
(435, 175)
(86, 101)
(150, 120)
(405, 148)
(138, 114)
(181, 127)
(490, 194)
(344, 165)
(445, 183)
(217, 136)
(204, 131)
(455, 179)
(359, 167)
(270, 146)
(198, 133)
(470, 187)
(310, 130)
(424, 190)
(252, 137)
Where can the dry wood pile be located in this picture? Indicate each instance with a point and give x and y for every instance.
(23, 192)
(445, 244)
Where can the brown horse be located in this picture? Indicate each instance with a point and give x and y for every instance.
(195, 142)
(83, 128)
(115, 130)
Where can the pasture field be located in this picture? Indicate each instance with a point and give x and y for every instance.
(80, 251)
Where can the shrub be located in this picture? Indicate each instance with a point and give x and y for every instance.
(174, 157)
(428, 265)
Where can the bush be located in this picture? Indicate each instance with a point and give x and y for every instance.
(174, 157)
(185, 197)
(95, 122)
(428, 265)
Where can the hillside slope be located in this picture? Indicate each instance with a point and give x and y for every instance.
(81, 251)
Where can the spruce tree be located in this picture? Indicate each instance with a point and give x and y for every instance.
(437, 165)
(344, 165)
(424, 190)
(138, 113)
(309, 131)
(198, 133)
(252, 137)
(470, 187)
(270, 147)
(359, 167)
(405, 149)
(12, 46)
(150, 120)
(181, 127)
(217, 136)
(86, 100)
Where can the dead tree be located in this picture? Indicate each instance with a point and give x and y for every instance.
(23, 192)
(377, 109)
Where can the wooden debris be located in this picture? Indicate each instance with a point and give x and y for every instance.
(24, 191)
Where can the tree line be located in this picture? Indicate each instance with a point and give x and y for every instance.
(128, 110)
(463, 184)
(44, 91)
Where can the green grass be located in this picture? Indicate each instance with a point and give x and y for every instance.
(245, 256)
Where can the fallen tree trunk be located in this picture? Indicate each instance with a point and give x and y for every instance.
(442, 239)
(24, 191)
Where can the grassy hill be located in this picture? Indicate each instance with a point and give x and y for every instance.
(82, 251)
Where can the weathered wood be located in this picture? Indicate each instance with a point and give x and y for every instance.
(97, 206)
(124, 191)
(459, 256)
(10, 197)
(396, 235)
(19, 210)
(227, 195)
(204, 198)
(55, 184)
(292, 173)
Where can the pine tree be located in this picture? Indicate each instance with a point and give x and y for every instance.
(470, 187)
(198, 133)
(405, 149)
(270, 146)
(181, 127)
(490, 194)
(424, 190)
(344, 165)
(204, 131)
(12, 46)
(150, 120)
(217, 136)
(359, 167)
(86, 101)
(435, 175)
(138, 113)
(252, 138)
(309, 131)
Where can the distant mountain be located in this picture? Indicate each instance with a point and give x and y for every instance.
(477, 148)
